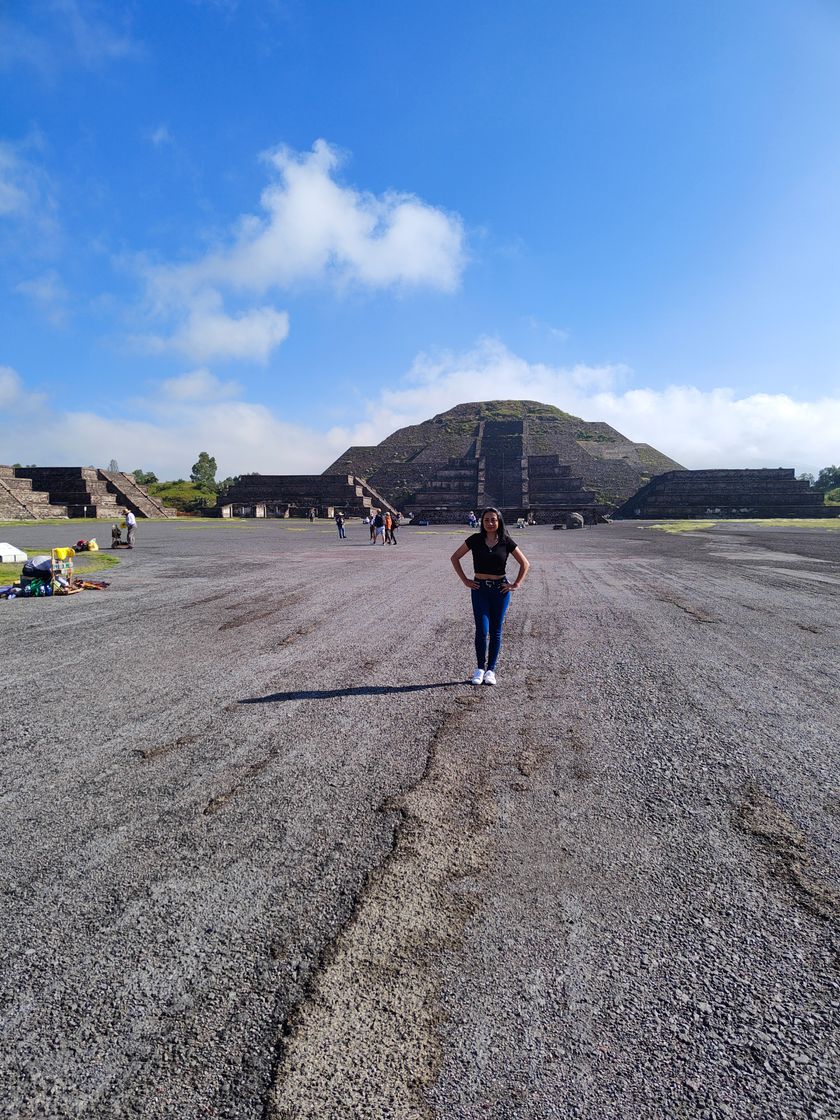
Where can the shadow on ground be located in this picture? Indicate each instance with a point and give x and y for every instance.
(332, 693)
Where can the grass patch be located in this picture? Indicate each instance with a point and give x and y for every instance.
(203, 522)
(84, 564)
(683, 526)
(783, 522)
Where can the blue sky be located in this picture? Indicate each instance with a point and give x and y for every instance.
(269, 230)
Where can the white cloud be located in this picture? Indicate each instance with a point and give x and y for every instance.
(160, 136)
(207, 332)
(49, 293)
(312, 230)
(92, 38)
(29, 226)
(13, 397)
(65, 31)
(695, 427)
(199, 385)
(242, 437)
(559, 333)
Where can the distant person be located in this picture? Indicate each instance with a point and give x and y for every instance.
(372, 527)
(396, 521)
(339, 524)
(490, 588)
(116, 535)
(472, 520)
(389, 521)
(379, 528)
(312, 516)
(131, 525)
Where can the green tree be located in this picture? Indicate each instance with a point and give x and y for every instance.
(833, 496)
(806, 477)
(144, 478)
(227, 483)
(204, 471)
(113, 465)
(828, 479)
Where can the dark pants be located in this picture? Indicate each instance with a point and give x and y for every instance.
(489, 605)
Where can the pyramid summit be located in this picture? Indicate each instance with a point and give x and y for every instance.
(517, 455)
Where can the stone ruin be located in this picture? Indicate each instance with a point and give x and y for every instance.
(765, 492)
(35, 493)
(521, 456)
(294, 495)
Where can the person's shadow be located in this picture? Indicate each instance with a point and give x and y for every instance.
(332, 693)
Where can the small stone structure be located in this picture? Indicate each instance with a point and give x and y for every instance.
(35, 493)
(765, 492)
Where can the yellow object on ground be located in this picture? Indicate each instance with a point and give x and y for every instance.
(63, 553)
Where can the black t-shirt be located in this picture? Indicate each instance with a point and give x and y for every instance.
(490, 561)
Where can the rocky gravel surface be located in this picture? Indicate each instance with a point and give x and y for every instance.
(267, 856)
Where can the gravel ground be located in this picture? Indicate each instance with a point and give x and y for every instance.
(265, 855)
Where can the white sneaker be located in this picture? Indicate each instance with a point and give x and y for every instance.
(477, 677)
(489, 677)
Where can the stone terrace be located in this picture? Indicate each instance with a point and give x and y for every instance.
(769, 492)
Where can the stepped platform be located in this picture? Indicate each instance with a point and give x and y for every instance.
(77, 492)
(79, 489)
(766, 492)
(294, 495)
(20, 502)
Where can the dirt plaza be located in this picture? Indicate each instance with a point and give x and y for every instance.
(266, 854)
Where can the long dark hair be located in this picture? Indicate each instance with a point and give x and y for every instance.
(502, 532)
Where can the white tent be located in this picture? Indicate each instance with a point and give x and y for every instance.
(11, 555)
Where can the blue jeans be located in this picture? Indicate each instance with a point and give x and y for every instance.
(489, 605)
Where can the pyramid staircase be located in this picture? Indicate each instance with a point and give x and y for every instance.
(370, 496)
(136, 497)
(502, 465)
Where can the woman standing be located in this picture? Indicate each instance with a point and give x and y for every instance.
(490, 589)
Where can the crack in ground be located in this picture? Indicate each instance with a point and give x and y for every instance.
(761, 816)
(208, 599)
(373, 992)
(150, 753)
(220, 800)
(247, 619)
(695, 612)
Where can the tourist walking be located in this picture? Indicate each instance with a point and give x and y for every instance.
(339, 522)
(379, 527)
(388, 524)
(372, 528)
(489, 587)
(395, 524)
(130, 525)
